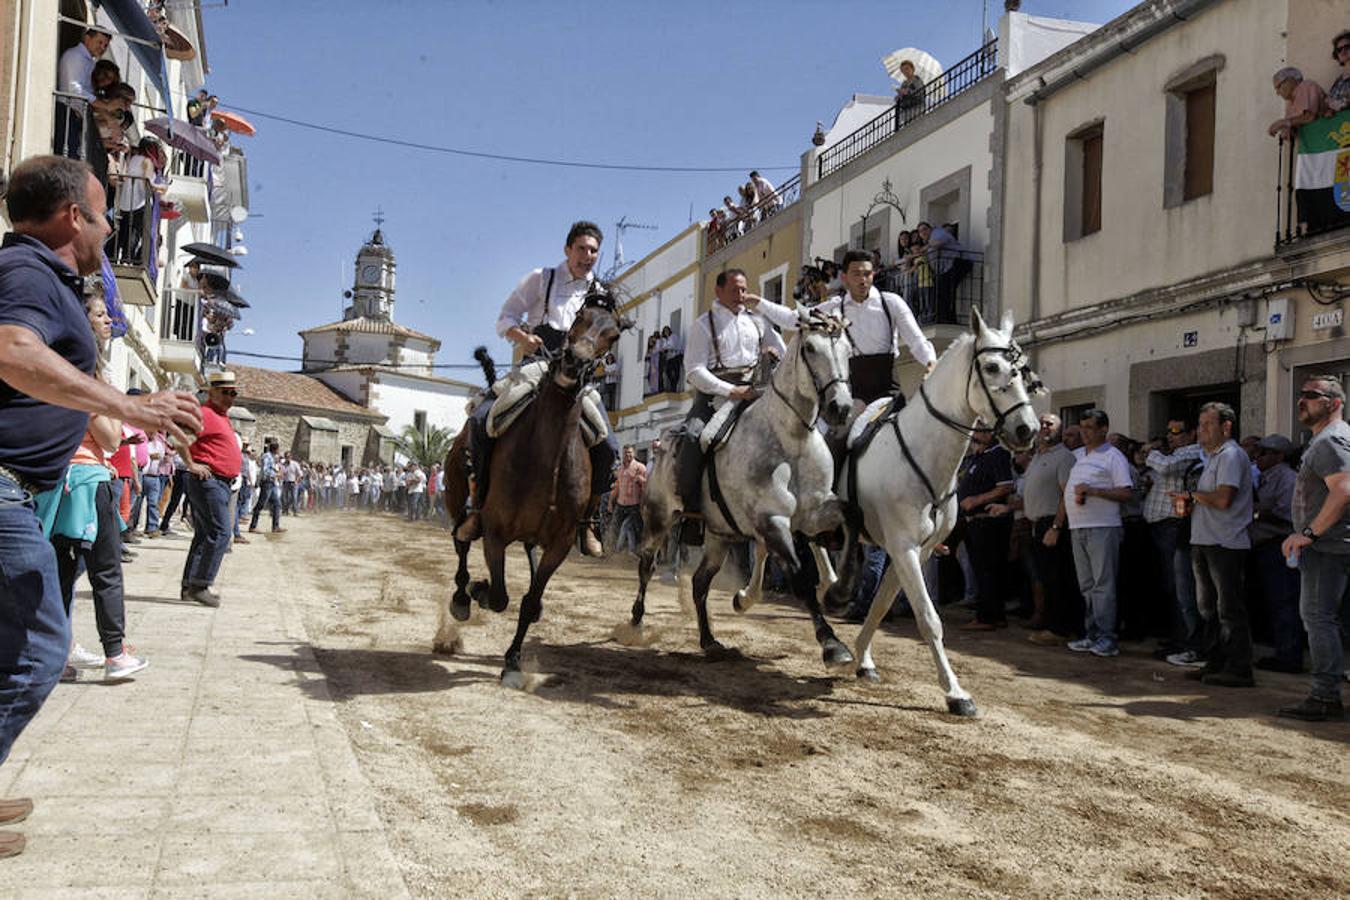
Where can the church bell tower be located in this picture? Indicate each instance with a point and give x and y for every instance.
(373, 285)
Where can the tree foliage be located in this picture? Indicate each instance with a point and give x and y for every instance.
(425, 448)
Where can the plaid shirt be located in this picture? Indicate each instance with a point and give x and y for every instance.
(1169, 474)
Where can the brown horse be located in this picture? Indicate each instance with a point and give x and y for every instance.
(540, 485)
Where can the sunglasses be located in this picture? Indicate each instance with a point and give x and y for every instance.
(1342, 48)
(229, 392)
(1313, 395)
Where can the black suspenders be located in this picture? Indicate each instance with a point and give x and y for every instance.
(890, 322)
(717, 346)
(548, 292)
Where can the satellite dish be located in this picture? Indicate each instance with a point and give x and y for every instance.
(238, 214)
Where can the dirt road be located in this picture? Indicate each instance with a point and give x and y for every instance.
(649, 771)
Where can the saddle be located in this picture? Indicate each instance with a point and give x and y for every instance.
(874, 417)
(718, 430)
(517, 390)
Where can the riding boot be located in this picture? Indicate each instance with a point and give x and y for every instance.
(479, 445)
(689, 476)
(589, 531)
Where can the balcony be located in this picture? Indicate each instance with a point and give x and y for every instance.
(132, 246)
(945, 297)
(189, 186)
(950, 84)
(1310, 201)
(720, 235)
(178, 331)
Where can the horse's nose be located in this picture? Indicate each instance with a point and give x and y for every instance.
(839, 410)
(1023, 434)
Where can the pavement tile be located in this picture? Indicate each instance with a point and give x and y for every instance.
(291, 890)
(45, 777)
(88, 893)
(252, 812)
(295, 775)
(95, 814)
(84, 861)
(258, 857)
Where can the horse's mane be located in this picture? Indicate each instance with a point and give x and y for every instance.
(958, 344)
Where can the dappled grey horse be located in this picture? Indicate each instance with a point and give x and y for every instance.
(775, 475)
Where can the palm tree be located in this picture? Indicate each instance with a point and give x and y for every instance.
(426, 448)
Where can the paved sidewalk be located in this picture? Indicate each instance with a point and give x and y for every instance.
(215, 772)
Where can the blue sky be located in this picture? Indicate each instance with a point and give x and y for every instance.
(697, 83)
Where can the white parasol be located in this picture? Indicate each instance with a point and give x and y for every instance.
(925, 66)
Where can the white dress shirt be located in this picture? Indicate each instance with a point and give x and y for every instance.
(525, 307)
(871, 331)
(739, 337)
(75, 71)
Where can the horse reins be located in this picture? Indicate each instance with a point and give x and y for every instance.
(819, 388)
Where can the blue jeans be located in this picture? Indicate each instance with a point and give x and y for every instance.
(211, 532)
(1096, 557)
(241, 507)
(153, 488)
(1324, 577)
(1280, 586)
(269, 497)
(1178, 581)
(34, 627)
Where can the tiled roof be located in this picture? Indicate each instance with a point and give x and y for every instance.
(404, 372)
(259, 386)
(372, 326)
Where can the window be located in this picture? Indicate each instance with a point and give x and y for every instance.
(773, 289)
(1189, 146)
(1083, 155)
(1199, 177)
(420, 420)
(347, 455)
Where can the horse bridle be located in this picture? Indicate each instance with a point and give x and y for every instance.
(1017, 360)
(819, 388)
(1013, 354)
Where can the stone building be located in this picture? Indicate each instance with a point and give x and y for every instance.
(308, 418)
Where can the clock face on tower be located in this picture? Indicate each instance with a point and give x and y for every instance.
(370, 274)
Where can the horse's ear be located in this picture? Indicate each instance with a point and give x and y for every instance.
(977, 321)
(1007, 323)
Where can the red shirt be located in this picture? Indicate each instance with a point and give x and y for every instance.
(216, 445)
(121, 461)
(632, 478)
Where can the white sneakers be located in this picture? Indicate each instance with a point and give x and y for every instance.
(81, 658)
(123, 665)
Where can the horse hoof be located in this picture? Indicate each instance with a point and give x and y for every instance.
(869, 675)
(513, 679)
(717, 651)
(459, 607)
(738, 602)
(481, 593)
(962, 706)
(835, 654)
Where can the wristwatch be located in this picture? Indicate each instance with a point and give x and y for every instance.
(1309, 533)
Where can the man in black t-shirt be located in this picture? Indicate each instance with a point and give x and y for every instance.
(47, 356)
(988, 480)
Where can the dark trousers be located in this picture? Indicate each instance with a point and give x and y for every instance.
(1223, 608)
(180, 477)
(267, 497)
(103, 561)
(689, 468)
(211, 531)
(241, 505)
(1054, 566)
(987, 539)
(1280, 590)
(1171, 543)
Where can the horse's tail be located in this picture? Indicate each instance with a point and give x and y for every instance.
(489, 367)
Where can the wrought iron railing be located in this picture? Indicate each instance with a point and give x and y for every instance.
(183, 164)
(1303, 213)
(940, 290)
(179, 309)
(74, 133)
(955, 81)
(720, 234)
(135, 223)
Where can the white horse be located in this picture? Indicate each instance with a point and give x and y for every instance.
(775, 475)
(906, 476)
